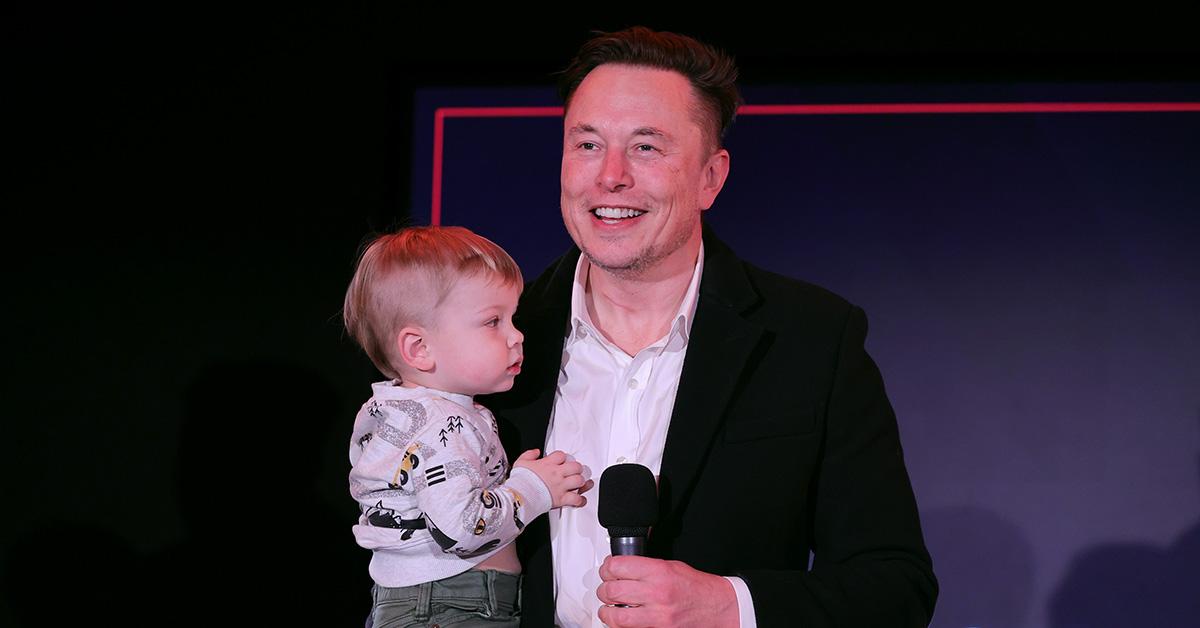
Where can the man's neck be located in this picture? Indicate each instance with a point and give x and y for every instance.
(633, 311)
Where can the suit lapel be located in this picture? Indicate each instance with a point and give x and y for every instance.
(719, 346)
(542, 316)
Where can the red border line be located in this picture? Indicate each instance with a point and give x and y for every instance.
(439, 122)
(439, 125)
(969, 107)
(440, 115)
(501, 112)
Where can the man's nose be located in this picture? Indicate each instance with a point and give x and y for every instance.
(614, 172)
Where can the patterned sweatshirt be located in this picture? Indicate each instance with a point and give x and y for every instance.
(432, 482)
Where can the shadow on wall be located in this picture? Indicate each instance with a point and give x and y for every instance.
(261, 546)
(984, 566)
(1132, 584)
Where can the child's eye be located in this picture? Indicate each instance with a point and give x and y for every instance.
(492, 322)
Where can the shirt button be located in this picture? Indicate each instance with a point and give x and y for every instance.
(620, 459)
(633, 383)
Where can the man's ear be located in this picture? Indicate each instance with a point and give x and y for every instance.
(715, 173)
(413, 349)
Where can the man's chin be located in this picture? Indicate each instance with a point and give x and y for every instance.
(617, 264)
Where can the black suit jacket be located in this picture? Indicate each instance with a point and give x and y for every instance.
(782, 441)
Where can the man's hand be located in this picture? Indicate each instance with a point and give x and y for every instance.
(663, 593)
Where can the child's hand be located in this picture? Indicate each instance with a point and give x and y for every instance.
(563, 477)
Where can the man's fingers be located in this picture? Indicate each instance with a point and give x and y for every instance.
(587, 486)
(529, 455)
(606, 572)
(627, 567)
(618, 617)
(627, 592)
(663, 593)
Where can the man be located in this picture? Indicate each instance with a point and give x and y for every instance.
(749, 395)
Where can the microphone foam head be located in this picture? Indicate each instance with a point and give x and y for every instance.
(628, 500)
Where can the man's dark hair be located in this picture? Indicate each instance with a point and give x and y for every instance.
(711, 72)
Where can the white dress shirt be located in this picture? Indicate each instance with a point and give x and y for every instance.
(611, 408)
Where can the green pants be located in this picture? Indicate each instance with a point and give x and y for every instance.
(472, 598)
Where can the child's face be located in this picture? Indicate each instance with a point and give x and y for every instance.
(476, 350)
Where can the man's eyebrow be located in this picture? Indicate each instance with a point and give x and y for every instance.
(649, 130)
(582, 128)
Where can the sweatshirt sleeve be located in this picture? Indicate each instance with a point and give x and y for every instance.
(459, 475)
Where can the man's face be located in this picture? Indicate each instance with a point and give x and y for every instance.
(637, 170)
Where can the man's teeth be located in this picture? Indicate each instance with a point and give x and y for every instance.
(616, 212)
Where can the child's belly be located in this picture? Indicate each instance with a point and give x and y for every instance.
(503, 560)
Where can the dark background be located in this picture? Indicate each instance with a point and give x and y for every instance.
(187, 190)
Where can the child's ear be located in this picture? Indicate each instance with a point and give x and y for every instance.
(413, 350)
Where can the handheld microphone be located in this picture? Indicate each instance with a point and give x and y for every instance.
(628, 507)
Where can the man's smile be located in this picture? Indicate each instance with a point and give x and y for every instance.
(613, 215)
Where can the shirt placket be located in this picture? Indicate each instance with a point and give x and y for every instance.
(625, 437)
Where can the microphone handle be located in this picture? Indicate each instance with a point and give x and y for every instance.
(628, 545)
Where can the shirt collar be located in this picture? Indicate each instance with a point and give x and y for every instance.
(394, 390)
(681, 326)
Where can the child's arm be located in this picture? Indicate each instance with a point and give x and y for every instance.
(470, 507)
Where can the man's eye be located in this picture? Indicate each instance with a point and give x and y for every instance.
(588, 145)
(645, 148)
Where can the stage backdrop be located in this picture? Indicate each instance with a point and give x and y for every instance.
(1029, 259)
